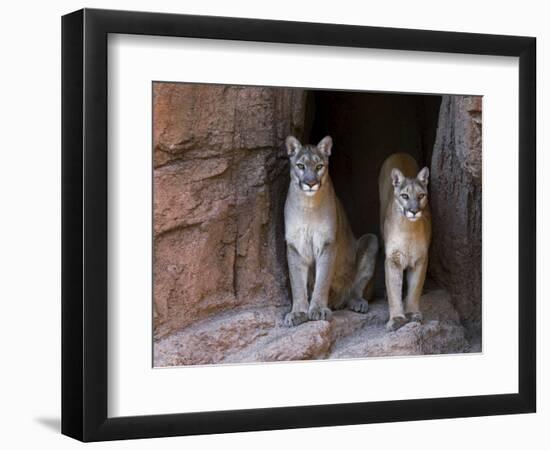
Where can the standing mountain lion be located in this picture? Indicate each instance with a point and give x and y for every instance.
(406, 227)
(325, 261)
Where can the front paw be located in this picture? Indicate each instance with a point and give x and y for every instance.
(359, 305)
(295, 318)
(319, 313)
(395, 323)
(415, 316)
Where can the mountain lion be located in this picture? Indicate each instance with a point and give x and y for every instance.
(406, 227)
(325, 261)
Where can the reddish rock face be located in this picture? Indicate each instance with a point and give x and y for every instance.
(455, 198)
(220, 177)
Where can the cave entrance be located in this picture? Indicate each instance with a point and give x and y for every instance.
(366, 128)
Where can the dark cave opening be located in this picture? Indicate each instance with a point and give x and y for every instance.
(366, 128)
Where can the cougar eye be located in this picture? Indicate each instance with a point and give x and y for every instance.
(404, 196)
(421, 196)
(319, 167)
(300, 166)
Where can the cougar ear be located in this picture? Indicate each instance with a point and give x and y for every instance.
(325, 146)
(423, 176)
(292, 145)
(397, 177)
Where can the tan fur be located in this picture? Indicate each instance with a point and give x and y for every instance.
(406, 242)
(325, 260)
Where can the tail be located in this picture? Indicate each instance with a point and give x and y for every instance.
(365, 263)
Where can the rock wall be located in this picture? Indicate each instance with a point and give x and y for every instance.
(220, 178)
(455, 198)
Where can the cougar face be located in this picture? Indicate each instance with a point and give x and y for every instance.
(308, 163)
(411, 194)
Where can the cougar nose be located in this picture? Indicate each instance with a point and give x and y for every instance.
(413, 210)
(310, 183)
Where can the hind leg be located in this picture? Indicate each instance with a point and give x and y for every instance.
(367, 251)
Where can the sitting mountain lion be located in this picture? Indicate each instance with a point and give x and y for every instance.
(324, 257)
(406, 227)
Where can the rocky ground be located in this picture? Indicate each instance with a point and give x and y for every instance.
(256, 334)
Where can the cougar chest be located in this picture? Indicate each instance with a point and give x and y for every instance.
(406, 243)
(309, 230)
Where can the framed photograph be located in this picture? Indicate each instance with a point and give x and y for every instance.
(273, 224)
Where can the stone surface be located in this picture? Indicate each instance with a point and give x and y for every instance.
(440, 332)
(455, 198)
(257, 334)
(220, 179)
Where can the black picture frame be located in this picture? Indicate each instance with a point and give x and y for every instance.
(84, 224)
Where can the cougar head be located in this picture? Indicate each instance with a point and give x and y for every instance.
(411, 194)
(308, 163)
